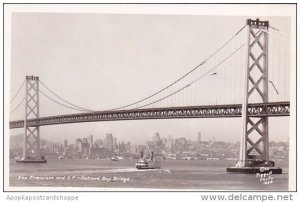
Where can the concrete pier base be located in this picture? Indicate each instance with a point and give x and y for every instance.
(32, 160)
(254, 170)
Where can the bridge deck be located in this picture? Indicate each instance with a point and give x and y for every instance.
(217, 111)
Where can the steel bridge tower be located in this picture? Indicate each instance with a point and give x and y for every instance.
(31, 148)
(254, 147)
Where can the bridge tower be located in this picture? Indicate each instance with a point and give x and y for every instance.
(254, 147)
(31, 148)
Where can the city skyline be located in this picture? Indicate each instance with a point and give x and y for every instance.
(214, 139)
(126, 138)
(90, 147)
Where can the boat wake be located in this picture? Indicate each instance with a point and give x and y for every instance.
(129, 170)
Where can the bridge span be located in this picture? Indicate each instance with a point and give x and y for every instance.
(271, 109)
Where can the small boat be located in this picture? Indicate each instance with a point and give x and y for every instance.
(121, 158)
(114, 158)
(17, 157)
(187, 158)
(148, 163)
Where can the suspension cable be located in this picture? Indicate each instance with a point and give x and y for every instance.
(188, 85)
(202, 63)
(274, 87)
(287, 35)
(280, 31)
(156, 101)
(275, 35)
(217, 65)
(59, 102)
(12, 111)
(274, 28)
(81, 108)
(11, 101)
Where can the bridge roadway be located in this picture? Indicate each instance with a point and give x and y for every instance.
(271, 109)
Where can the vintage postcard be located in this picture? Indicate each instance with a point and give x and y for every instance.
(149, 97)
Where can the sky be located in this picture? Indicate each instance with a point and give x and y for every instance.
(102, 61)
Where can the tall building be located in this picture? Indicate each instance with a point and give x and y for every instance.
(99, 142)
(108, 142)
(85, 146)
(65, 143)
(115, 145)
(181, 144)
(84, 140)
(199, 137)
(91, 141)
(78, 145)
(156, 138)
(169, 145)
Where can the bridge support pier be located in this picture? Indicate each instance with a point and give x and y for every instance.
(31, 148)
(254, 146)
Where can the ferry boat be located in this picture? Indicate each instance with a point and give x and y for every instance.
(148, 163)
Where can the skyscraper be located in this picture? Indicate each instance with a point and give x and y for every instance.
(157, 142)
(78, 145)
(91, 141)
(85, 146)
(108, 142)
(65, 143)
(115, 145)
(156, 138)
(65, 148)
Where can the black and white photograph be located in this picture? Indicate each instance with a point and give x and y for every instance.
(132, 97)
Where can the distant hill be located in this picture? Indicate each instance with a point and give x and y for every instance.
(17, 142)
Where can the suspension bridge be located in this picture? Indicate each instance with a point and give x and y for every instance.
(244, 77)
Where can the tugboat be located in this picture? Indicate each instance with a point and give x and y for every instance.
(148, 163)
